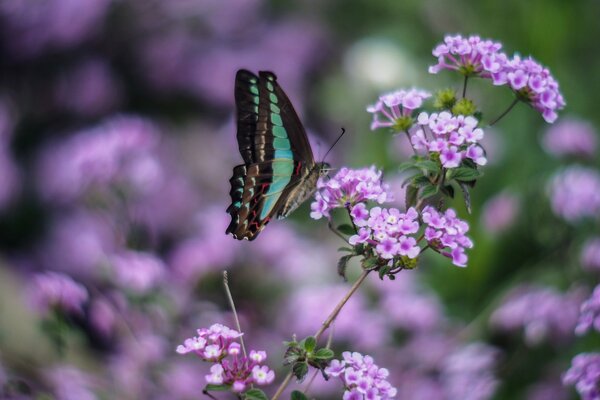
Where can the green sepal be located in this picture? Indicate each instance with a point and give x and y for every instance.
(298, 395)
(346, 229)
(216, 388)
(255, 394)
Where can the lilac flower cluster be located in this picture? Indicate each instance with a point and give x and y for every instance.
(589, 318)
(571, 137)
(575, 193)
(53, 290)
(473, 56)
(217, 343)
(395, 106)
(347, 188)
(542, 312)
(584, 375)
(361, 377)
(454, 138)
(590, 254)
(446, 233)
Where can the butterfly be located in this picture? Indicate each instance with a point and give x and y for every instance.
(279, 171)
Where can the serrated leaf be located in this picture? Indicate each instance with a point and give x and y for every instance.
(408, 180)
(342, 265)
(411, 196)
(466, 195)
(324, 354)
(298, 395)
(428, 165)
(369, 263)
(255, 394)
(428, 191)
(216, 388)
(465, 174)
(309, 344)
(448, 190)
(346, 229)
(406, 165)
(383, 271)
(300, 370)
(421, 181)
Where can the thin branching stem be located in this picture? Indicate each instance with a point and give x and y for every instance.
(235, 315)
(510, 107)
(464, 91)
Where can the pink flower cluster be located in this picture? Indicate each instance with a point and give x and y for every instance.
(575, 193)
(395, 105)
(387, 231)
(347, 188)
(51, 290)
(454, 138)
(361, 377)
(531, 81)
(589, 317)
(215, 345)
(446, 233)
(584, 375)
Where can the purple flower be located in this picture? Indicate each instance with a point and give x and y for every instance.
(575, 193)
(543, 313)
(589, 317)
(361, 378)
(500, 212)
(137, 271)
(262, 375)
(348, 188)
(69, 383)
(395, 106)
(53, 290)
(470, 56)
(590, 254)
(447, 234)
(584, 375)
(571, 137)
(452, 137)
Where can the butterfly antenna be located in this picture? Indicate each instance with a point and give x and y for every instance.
(334, 143)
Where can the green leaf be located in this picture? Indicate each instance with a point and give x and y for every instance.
(348, 249)
(428, 191)
(448, 190)
(466, 195)
(346, 229)
(342, 265)
(411, 196)
(255, 394)
(298, 395)
(300, 370)
(324, 354)
(383, 271)
(421, 181)
(216, 388)
(428, 166)
(464, 174)
(370, 262)
(406, 165)
(309, 344)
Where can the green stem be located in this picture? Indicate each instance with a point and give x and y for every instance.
(464, 91)
(515, 101)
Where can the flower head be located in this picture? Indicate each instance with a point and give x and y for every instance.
(53, 290)
(446, 233)
(396, 108)
(361, 377)
(575, 193)
(589, 317)
(571, 137)
(348, 188)
(584, 375)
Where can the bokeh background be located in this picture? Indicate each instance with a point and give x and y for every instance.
(117, 140)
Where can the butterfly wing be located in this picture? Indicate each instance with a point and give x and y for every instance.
(275, 149)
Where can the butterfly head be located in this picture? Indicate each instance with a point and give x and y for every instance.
(323, 168)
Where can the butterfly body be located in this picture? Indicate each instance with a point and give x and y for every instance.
(279, 171)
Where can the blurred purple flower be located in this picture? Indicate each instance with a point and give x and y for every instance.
(467, 373)
(361, 377)
(575, 193)
(97, 157)
(70, 383)
(543, 313)
(584, 375)
(571, 137)
(589, 317)
(89, 89)
(137, 271)
(53, 290)
(103, 316)
(590, 254)
(347, 188)
(79, 242)
(500, 212)
(53, 24)
(547, 389)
